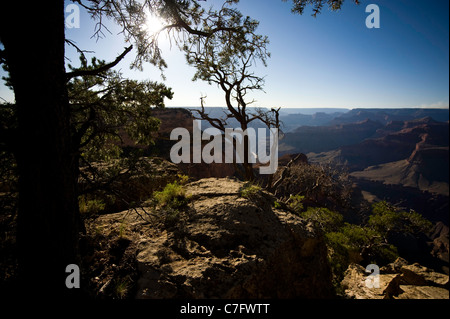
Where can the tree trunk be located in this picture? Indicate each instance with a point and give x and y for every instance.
(48, 222)
(248, 166)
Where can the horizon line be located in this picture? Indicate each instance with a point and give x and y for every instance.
(337, 108)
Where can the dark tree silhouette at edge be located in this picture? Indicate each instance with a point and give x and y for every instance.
(48, 220)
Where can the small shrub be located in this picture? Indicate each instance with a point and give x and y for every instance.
(338, 255)
(249, 191)
(122, 288)
(183, 179)
(173, 196)
(388, 219)
(296, 203)
(122, 229)
(90, 206)
(277, 205)
(324, 218)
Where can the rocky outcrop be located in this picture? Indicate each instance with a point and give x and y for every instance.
(224, 246)
(396, 281)
(233, 247)
(355, 286)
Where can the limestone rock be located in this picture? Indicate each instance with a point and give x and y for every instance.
(394, 268)
(396, 281)
(355, 285)
(422, 276)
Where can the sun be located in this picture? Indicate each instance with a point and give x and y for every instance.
(154, 24)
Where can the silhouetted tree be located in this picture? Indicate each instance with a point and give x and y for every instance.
(227, 59)
(48, 223)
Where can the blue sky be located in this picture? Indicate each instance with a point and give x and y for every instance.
(333, 60)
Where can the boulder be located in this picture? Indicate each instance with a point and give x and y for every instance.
(355, 285)
(422, 276)
(394, 268)
(397, 280)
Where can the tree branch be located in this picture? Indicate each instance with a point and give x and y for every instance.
(82, 52)
(99, 70)
(216, 123)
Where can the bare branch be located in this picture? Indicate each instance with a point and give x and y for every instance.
(216, 123)
(82, 52)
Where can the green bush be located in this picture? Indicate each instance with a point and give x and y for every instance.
(277, 204)
(183, 179)
(370, 243)
(356, 244)
(295, 203)
(324, 218)
(89, 205)
(249, 191)
(350, 243)
(122, 288)
(387, 219)
(172, 196)
(338, 254)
